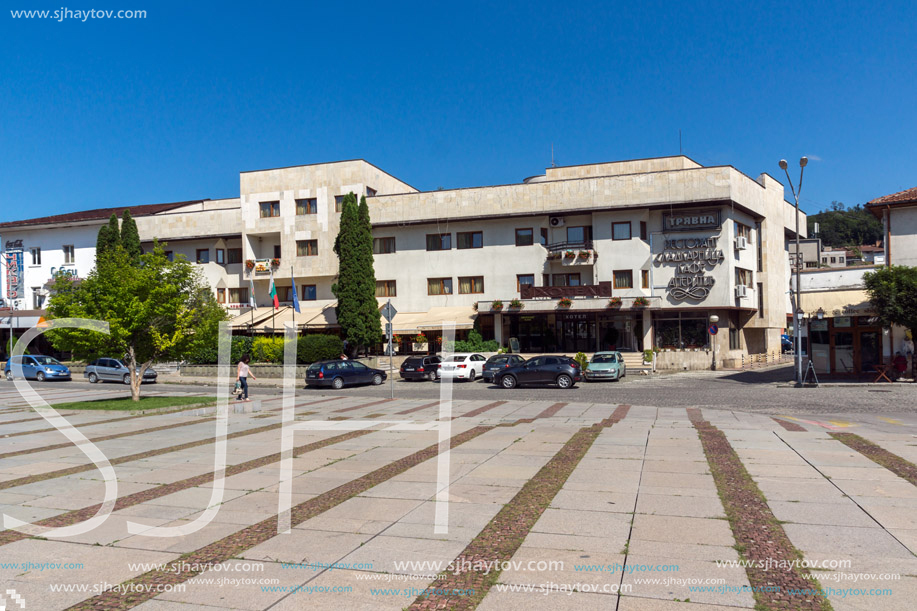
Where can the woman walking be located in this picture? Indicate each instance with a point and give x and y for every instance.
(242, 374)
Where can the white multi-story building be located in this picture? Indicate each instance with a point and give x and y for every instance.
(645, 250)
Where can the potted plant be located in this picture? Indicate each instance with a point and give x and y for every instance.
(496, 305)
(250, 263)
(569, 254)
(565, 302)
(474, 306)
(584, 254)
(516, 304)
(420, 343)
(641, 302)
(553, 256)
(614, 302)
(275, 262)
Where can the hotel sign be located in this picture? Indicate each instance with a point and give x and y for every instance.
(14, 280)
(690, 221)
(602, 289)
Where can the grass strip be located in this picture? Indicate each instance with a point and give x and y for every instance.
(899, 466)
(144, 496)
(790, 426)
(235, 544)
(128, 404)
(758, 534)
(504, 534)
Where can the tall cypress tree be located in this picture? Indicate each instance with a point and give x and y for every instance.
(355, 289)
(130, 237)
(109, 238)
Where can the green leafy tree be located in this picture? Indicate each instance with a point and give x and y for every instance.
(159, 310)
(109, 238)
(355, 288)
(893, 293)
(130, 237)
(841, 226)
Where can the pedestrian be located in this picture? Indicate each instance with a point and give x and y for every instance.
(343, 357)
(242, 373)
(900, 363)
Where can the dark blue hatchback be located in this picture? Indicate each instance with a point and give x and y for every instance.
(339, 373)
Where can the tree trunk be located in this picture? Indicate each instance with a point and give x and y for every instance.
(135, 378)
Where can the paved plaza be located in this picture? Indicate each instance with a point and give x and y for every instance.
(603, 498)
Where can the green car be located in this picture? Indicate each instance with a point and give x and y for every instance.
(605, 366)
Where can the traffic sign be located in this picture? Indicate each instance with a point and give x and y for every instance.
(389, 311)
(713, 329)
(388, 329)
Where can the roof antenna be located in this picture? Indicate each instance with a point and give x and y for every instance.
(679, 141)
(553, 165)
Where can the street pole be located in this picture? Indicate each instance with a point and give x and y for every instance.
(797, 263)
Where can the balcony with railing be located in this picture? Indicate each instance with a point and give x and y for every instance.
(572, 253)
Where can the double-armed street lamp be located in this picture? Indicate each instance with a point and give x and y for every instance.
(797, 262)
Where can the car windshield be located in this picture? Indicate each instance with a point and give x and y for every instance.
(604, 358)
(457, 359)
(46, 360)
(315, 367)
(497, 360)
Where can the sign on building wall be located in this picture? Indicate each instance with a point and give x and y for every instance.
(690, 221)
(14, 279)
(693, 260)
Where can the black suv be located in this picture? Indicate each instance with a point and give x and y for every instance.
(560, 370)
(420, 368)
(498, 362)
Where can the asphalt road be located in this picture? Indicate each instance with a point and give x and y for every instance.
(763, 391)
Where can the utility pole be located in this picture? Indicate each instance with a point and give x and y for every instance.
(797, 262)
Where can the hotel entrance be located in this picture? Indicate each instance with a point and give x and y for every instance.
(572, 332)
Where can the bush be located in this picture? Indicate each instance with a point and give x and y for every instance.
(476, 343)
(241, 344)
(582, 359)
(317, 347)
(267, 350)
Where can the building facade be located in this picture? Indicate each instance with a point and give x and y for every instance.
(628, 255)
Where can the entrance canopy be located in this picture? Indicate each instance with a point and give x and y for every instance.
(837, 303)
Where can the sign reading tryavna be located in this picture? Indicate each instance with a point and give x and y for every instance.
(690, 221)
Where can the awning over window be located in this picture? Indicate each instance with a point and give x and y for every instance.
(837, 303)
(463, 316)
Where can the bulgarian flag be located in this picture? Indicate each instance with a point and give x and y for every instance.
(273, 292)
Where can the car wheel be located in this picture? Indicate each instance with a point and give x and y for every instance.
(377, 379)
(9, 376)
(127, 378)
(508, 382)
(471, 375)
(337, 383)
(93, 378)
(564, 381)
(40, 376)
(623, 371)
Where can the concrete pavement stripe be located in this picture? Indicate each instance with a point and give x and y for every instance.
(79, 515)
(503, 536)
(896, 464)
(350, 409)
(480, 410)
(790, 426)
(58, 446)
(758, 534)
(551, 410)
(418, 408)
(233, 545)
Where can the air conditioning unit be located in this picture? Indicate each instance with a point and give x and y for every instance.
(741, 291)
(556, 221)
(741, 242)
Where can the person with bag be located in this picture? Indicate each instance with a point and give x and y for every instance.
(242, 375)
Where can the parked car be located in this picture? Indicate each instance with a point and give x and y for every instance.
(497, 362)
(420, 368)
(560, 370)
(114, 370)
(605, 366)
(786, 343)
(338, 373)
(36, 367)
(462, 366)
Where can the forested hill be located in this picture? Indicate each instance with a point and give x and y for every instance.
(843, 226)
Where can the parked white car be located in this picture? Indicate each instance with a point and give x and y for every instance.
(462, 366)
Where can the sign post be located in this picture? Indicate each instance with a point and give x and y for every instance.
(388, 313)
(713, 329)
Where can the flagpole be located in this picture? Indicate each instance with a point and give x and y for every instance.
(293, 279)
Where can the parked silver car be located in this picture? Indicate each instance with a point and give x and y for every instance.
(113, 370)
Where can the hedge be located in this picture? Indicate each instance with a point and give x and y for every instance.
(269, 349)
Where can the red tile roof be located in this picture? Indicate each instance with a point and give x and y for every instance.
(908, 195)
(97, 214)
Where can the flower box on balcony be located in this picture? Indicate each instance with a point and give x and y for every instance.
(584, 254)
(565, 302)
(496, 306)
(569, 255)
(641, 302)
(614, 302)
(516, 304)
(250, 263)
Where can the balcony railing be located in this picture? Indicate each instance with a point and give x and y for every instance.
(262, 266)
(581, 245)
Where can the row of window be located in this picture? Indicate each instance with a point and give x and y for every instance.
(69, 254)
(307, 292)
(223, 255)
(308, 205)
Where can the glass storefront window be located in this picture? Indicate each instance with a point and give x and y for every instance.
(682, 332)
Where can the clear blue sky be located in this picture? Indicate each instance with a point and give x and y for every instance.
(172, 107)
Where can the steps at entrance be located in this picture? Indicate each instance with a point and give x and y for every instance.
(633, 361)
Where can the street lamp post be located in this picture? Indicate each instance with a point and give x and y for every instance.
(713, 320)
(797, 262)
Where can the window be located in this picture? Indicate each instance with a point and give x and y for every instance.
(680, 330)
(439, 241)
(269, 209)
(524, 279)
(383, 246)
(760, 300)
(471, 284)
(286, 292)
(221, 256)
(36, 256)
(469, 239)
(544, 236)
(308, 292)
(68, 254)
(306, 248)
(743, 277)
(645, 278)
(169, 255)
(759, 247)
(385, 288)
(566, 280)
(834, 259)
(203, 255)
(338, 203)
(525, 237)
(37, 298)
(233, 255)
(624, 279)
(824, 259)
(276, 251)
(735, 342)
(221, 295)
(306, 206)
(439, 286)
(643, 231)
(239, 295)
(743, 230)
(620, 231)
(579, 234)
(370, 192)
(811, 264)
(545, 279)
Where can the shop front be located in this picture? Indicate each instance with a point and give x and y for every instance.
(579, 331)
(845, 345)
